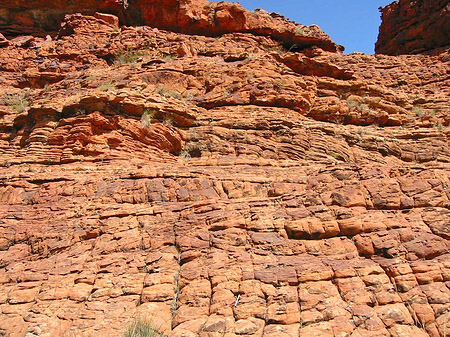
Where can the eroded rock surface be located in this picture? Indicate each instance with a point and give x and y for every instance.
(411, 27)
(187, 16)
(220, 186)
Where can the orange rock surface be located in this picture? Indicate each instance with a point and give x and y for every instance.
(220, 185)
(410, 27)
(186, 16)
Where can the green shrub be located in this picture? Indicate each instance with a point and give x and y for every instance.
(142, 328)
(146, 118)
(127, 56)
(163, 91)
(189, 150)
(278, 49)
(418, 111)
(439, 126)
(354, 103)
(169, 58)
(105, 86)
(293, 47)
(299, 31)
(19, 102)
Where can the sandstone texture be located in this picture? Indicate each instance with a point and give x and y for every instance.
(185, 16)
(411, 27)
(220, 185)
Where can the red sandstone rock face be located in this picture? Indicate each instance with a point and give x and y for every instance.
(186, 16)
(411, 27)
(220, 187)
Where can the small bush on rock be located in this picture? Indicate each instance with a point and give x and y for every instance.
(127, 56)
(105, 86)
(19, 102)
(146, 118)
(142, 328)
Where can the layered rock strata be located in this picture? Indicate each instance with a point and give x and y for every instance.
(411, 27)
(220, 186)
(187, 16)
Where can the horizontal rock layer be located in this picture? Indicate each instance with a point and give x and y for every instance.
(220, 187)
(191, 17)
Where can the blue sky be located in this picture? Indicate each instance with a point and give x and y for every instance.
(351, 23)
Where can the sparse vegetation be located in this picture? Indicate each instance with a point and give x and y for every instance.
(419, 322)
(163, 91)
(80, 112)
(142, 328)
(439, 126)
(19, 102)
(279, 49)
(278, 86)
(190, 150)
(299, 31)
(212, 13)
(127, 56)
(168, 121)
(335, 156)
(185, 155)
(293, 47)
(146, 118)
(177, 291)
(169, 58)
(177, 284)
(67, 333)
(189, 96)
(418, 111)
(354, 103)
(251, 57)
(361, 131)
(91, 78)
(105, 86)
(227, 93)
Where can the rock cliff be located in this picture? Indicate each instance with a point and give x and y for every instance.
(185, 16)
(411, 27)
(219, 184)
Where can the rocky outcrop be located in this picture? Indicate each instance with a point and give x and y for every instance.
(411, 27)
(185, 16)
(220, 186)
